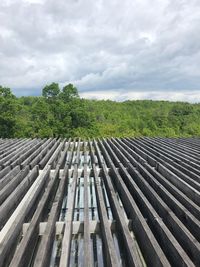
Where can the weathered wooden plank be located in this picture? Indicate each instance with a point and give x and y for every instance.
(41, 154)
(9, 186)
(173, 247)
(15, 197)
(25, 250)
(87, 244)
(43, 255)
(7, 175)
(48, 155)
(13, 226)
(77, 228)
(14, 155)
(152, 252)
(66, 242)
(144, 197)
(133, 255)
(37, 151)
(109, 249)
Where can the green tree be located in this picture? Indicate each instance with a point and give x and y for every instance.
(69, 92)
(6, 92)
(41, 119)
(51, 91)
(8, 116)
(63, 113)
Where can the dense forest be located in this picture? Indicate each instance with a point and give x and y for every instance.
(61, 112)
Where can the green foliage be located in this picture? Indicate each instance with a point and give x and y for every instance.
(8, 112)
(69, 92)
(51, 91)
(6, 92)
(62, 113)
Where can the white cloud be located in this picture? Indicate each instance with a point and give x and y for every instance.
(120, 95)
(136, 46)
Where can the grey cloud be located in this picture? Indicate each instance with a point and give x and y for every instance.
(101, 45)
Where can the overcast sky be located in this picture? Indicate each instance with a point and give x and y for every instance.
(117, 49)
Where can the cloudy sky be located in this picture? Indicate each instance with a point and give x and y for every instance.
(130, 49)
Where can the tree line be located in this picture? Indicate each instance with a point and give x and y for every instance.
(61, 112)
